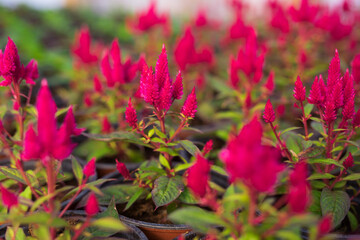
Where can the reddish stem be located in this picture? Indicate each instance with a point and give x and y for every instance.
(51, 189)
(82, 228)
(74, 197)
(283, 147)
(304, 120)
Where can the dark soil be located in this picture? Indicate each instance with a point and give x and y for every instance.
(144, 210)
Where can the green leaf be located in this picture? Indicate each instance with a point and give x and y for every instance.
(317, 184)
(189, 147)
(327, 161)
(15, 174)
(289, 129)
(136, 196)
(336, 203)
(166, 190)
(315, 203)
(308, 108)
(41, 218)
(157, 140)
(352, 177)
(77, 169)
(10, 234)
(187, 197)
(163, 161)
(110, 224)
(219, 170)
(121, 192)
(354, 223)
(61, 111)
(316, 176)
(198, 218)
(183, 166)
(117, 136)
(160, 133)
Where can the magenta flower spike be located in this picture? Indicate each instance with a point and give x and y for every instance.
(355, 68)
(8, 198)
(97, 84)
(269, 114)
(208, 147)
(82, 47)
(92, 205)
(10, 64)
(122, 169)
(177, 87)
(31, 72)
(315, 95)
(299, 192)
(89, 168)
(198, 176)
(334, 71)
(348, 162)
(190, 105)
(246, 159)
(130, 115)
(299, 90)
(269, 85)
(49, 142)
(106, 125)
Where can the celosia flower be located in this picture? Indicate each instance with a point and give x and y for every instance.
(148, 19)
(116, 71)
(331, 22)
(233, 72)
(299, 193)
(92, 205)
(198, 176)
(89, 168)
(246, 159)
(299, 90)
(269, 114)
(130, 115)
(157, 89)
(330, 111)
(106, 125)
(201, 19)
(348, 162)
(186, 53)
(177, 88)
(49, 142)
(82, 47)
(121, 167)
(334, 71)
(315, 95)
(238, 29)
(356, 119)
(8, 198)
(305, 13)
(87, 100)
(279, 20)
(324, 226)
(190, 105)
(269, 85)
(12, 70)
(208, 147)
(97, 84)
(249, 61)
(355, 68)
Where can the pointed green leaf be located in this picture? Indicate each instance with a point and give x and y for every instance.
(166, 190)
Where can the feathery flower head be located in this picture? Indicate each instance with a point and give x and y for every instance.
(315, 95)
(348, 162)
(305, 13)
(299, 90)
(120, 166)
(324, 226)
(12, 70)
(8, 198)
(82, 47)
(177, 87)
(106, 125)
(92, 205)
(334, 71)
(89, 168)
(246, 159)
(130, 115)
(198, 176)
(97, 84)
(299, 192)
(355, 68)
(190, 105)
(269, 114)
(49, 142)
(269, 85)
(208, 147)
